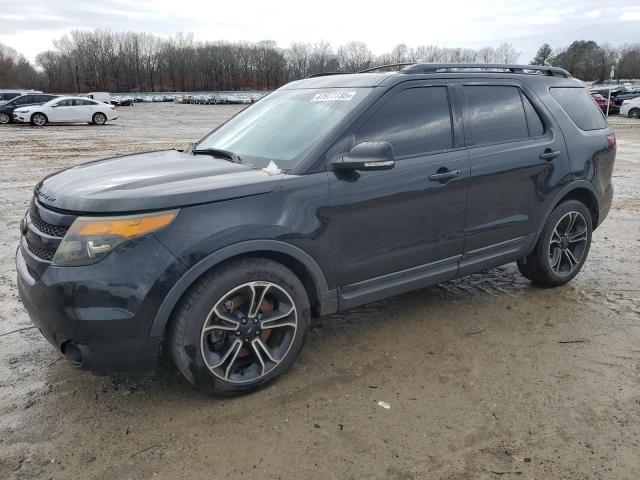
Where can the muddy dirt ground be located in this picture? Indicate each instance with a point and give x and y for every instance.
(486, 377)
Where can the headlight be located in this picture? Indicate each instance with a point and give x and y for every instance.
(90, 239)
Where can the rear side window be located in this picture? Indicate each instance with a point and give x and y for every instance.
(579, 105)
(416, 121)
(69, 102)
(495, 115)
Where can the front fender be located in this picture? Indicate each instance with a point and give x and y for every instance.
(328, 299)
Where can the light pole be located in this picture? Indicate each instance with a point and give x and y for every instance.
(610, 80)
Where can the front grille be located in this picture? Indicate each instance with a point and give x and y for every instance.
(40, 252)
(42, 237)
(44, 227)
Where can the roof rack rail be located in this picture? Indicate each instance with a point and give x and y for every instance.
(326, 74)
(389, 65)
(485, 68)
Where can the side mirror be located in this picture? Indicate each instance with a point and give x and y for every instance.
(367, 156)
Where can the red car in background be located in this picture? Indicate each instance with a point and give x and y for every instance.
(601, 101)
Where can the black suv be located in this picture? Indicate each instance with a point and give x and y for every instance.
(7, 108)
(331, 192)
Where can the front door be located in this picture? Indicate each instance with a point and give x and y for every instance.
(396, 230)
(63, 111)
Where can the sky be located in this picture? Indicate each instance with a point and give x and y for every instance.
(30, 27)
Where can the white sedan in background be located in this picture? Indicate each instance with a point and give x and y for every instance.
(66, 110)
(631, 107)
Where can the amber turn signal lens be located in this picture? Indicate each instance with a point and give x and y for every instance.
(125, 227)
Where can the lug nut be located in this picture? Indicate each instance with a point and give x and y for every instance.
(244, 321)
(238, 333)
(257, 332)
(255, 320)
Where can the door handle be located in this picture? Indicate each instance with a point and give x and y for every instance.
(445, 176)
(549, 154)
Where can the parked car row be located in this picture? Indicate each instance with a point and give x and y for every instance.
(19, 105)
(619, 94)
(220, 98)
(8, 107)
(39, 109)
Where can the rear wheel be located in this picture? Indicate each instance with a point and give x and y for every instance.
(39, 119)
(634, 112)
(4, 118)
(562, 248)
(99, 118)
(240, 326)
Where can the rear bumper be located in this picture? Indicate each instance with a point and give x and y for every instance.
(100, 316)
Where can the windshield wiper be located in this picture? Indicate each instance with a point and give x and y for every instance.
(217, 152)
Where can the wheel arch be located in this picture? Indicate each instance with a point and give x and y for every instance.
(322, 300)
(581, 190)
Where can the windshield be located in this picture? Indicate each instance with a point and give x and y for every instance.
(278, 129)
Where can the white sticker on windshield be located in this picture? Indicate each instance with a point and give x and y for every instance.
(272, 168)
(333, 97)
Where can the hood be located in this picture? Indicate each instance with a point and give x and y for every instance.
(151, 181)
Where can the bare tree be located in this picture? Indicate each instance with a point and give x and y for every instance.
(354, 56)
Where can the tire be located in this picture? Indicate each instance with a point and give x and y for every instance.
(39, 119)
(562, 248)
(4, 118)
(225, 343)
(634, 112)
(99, 118)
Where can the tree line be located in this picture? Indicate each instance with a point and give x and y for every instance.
(588, 61)
(104, 60)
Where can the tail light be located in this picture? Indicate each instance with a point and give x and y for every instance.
(611, 141)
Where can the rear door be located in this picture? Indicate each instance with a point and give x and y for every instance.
(399, 229)
(85, 110)
(518, 161)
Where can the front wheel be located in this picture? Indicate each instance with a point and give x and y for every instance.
(634, 112)
(39, 119)
(240, 326)
(562, 248)
(99, 118)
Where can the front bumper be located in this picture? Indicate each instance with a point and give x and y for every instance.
(103, 311)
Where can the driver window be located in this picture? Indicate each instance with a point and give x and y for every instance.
(416, 121)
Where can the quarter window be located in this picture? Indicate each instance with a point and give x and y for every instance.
(416, 121)
(495, 115)
(578, 104)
